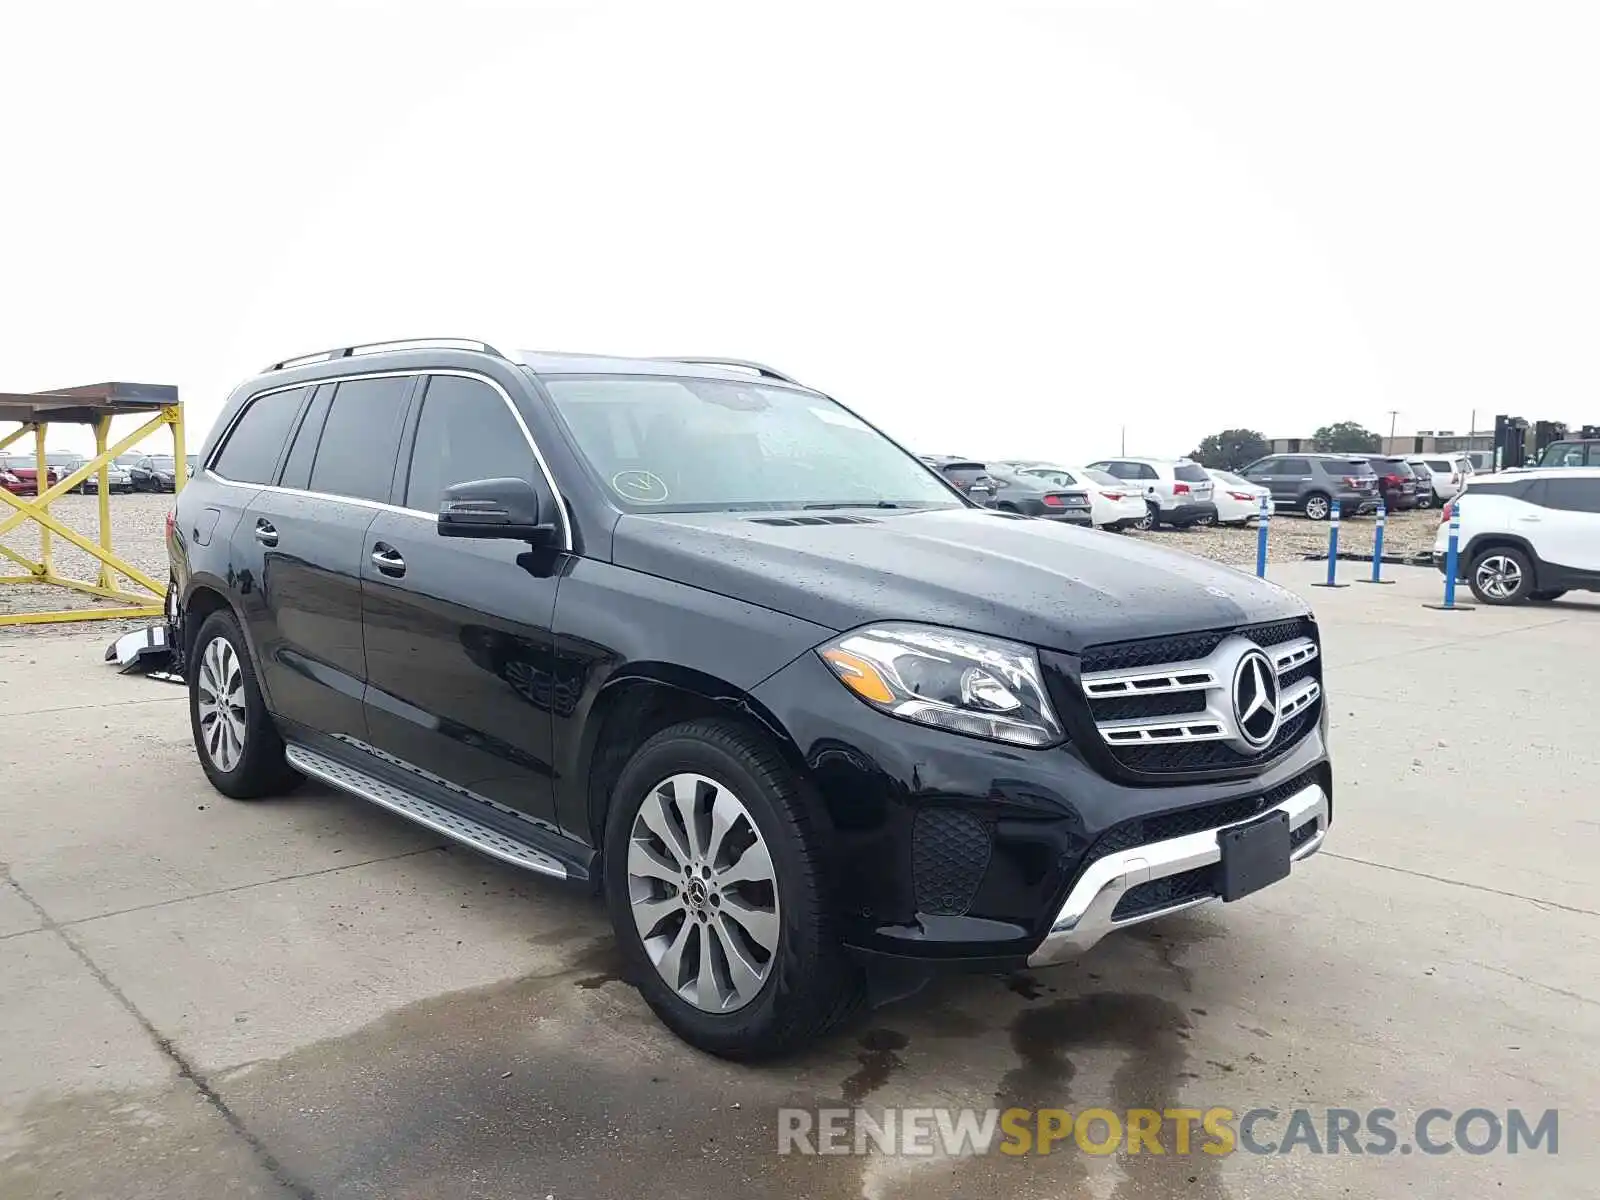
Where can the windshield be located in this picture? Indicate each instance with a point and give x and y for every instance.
(1563, 454)
(162, 462)
(685, 445)
(1392, 466)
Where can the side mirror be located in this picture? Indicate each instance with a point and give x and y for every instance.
(494, 508)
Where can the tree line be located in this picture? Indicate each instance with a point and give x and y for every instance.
(1235, 448)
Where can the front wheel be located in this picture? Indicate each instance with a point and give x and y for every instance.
(715, 878)
(239, 747)
(1501, 575)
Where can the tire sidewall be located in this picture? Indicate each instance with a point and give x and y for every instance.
(799, 943)
(1318, 500)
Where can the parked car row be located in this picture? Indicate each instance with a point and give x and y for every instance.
(127, 473)
(1143, 493)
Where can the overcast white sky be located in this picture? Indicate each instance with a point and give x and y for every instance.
(994, 229)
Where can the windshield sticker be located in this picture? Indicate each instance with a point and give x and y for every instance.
(640, 487)
(835, 416)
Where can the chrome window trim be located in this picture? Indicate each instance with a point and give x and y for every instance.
(408, 373)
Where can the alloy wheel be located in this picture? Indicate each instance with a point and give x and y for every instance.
(1317, 508)
(704, 892)
(220, 702)
(1498, 577)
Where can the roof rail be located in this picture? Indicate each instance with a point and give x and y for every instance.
(301, 360)
(759, 368)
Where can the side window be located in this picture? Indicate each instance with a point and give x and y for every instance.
(465, 432)
(1573, 495)
(1267, 466)
(297, 467)
(1122, 470)
(1145, 471)
(250, 455)
(1294, 466)
(361, 438)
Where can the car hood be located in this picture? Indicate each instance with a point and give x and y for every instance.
(1032, 581)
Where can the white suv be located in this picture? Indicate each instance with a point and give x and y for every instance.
(1448, 472)
(1176, 492)
(1527, 535)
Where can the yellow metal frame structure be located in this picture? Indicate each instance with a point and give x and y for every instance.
(149, 601)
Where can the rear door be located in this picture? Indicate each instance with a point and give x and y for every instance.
(1291, 480)
(1567, 528)
(458, 643)
(302, 542)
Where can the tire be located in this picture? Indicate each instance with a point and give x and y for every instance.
(1501, 575)
(1317, 506)
(1544, 596)
(1425, 501)
(240, 753)
(804, 984)
(1151, 518)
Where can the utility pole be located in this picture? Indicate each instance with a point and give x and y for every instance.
(1393, 413)
(1124, 450)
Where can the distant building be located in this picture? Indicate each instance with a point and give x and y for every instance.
(1424, 441)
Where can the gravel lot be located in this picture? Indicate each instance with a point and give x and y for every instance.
(138, 522)
(138, 526)
(1292, 538)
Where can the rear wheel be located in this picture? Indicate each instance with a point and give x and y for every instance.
(715, 878)
(1147, 522)
(1317, 506)
(1501, 575)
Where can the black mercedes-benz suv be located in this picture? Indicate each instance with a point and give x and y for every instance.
(694, 635)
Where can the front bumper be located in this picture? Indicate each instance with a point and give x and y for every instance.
(948, 849)
(1091, 908)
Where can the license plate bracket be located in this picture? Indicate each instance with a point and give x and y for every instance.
(1253, 856)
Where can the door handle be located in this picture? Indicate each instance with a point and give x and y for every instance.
(265, 533)
(387, 559)
(1530, 517)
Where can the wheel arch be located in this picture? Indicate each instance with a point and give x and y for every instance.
(638, 702)
(1483, 542)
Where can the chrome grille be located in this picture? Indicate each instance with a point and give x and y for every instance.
(1176, 713)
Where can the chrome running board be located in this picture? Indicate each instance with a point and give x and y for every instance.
(442, 820)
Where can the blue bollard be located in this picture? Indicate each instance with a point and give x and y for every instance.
(1377, 548)
(1452, 560)
(1333, 549)
(1261, 537)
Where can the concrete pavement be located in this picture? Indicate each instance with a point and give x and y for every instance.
(308, 997)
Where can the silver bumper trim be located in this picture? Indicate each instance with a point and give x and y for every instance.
(1085, 918)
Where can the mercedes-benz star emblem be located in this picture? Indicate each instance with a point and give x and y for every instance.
(1255, 699)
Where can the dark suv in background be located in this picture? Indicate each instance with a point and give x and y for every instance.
(697, 636)
(971, 479)
(1310, 483)
(1397, 482)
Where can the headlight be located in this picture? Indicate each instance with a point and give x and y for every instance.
(962, 682)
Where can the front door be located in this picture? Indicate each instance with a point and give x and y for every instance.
(1567, 529)
(458, 645)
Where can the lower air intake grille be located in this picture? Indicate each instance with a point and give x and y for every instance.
(949, 854)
